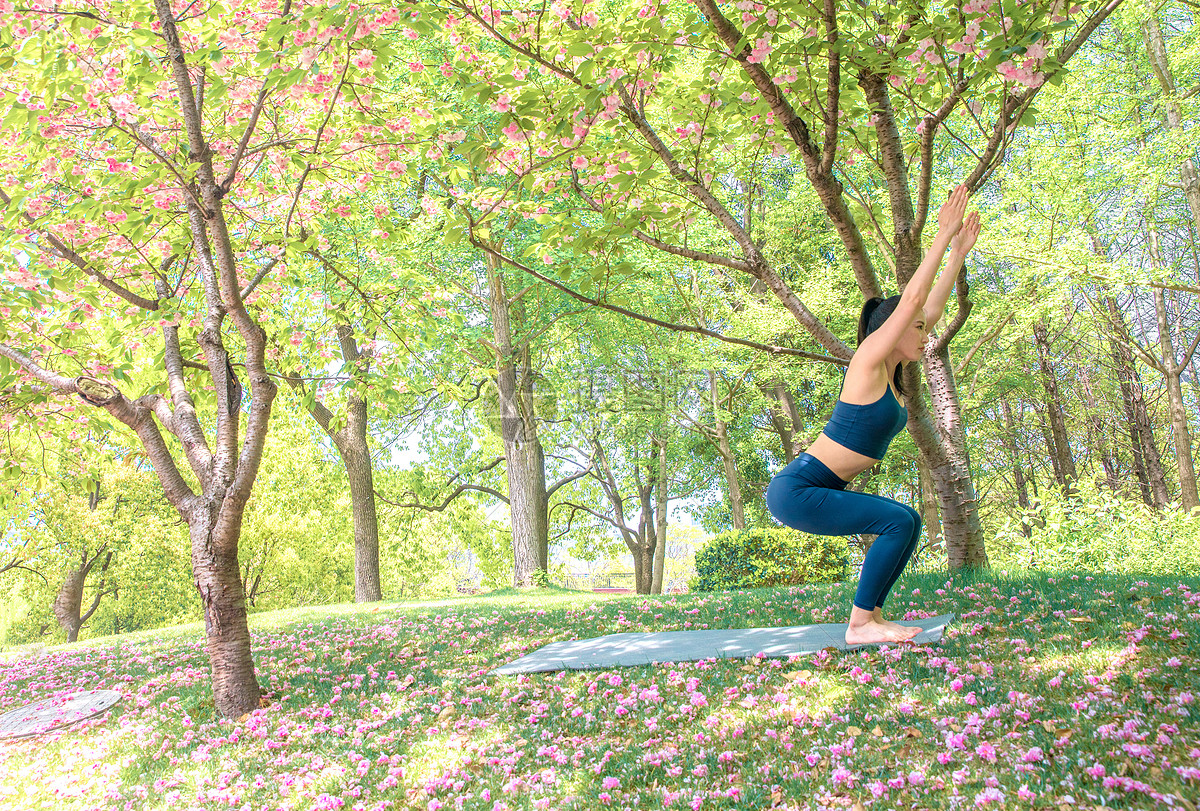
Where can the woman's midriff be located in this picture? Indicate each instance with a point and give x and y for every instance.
(845, 463)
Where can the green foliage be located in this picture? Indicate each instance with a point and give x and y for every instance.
(1094, 530)
(51, 528)
(758, 557)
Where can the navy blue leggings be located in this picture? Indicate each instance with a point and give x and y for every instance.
(808, 496)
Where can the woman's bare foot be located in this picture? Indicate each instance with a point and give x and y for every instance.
(877, 615)
(866, 628)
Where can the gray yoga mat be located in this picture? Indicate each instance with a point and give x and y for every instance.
(618, 650)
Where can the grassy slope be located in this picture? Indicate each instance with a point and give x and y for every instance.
(1048, 691)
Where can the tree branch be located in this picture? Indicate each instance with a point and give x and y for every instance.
(64, 252)
(227, 183)
(987, 336)
(550, 490)
(1012, 105)
(828, 188)
(832, 90)
(258, 277)
(686, 253)
(962, 291)
(773, 350)
(137, 417)
(458, 491)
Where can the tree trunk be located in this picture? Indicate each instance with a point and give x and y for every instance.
(1096, 432)
(942, 441)
(1009, 438)
(68, 604)
(1147, 460)
(1156, 49)
(784, 417)
(356, 456)
(737, 509)
(1179, 424)
(641, 543)
(643, 568)
(1060, 446)
(1048, 437)
(215, 569)
(524, 459)
(930, 519)
(647, 536)
(351, 442)
(660, 515)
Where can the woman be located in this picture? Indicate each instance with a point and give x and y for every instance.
(810, 493)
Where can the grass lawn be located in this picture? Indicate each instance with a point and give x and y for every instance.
(1067, 691)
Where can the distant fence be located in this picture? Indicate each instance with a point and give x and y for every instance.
(607, 583)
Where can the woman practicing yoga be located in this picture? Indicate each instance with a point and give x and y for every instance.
(810, 493)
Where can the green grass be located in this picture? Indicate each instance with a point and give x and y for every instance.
(1080, 691)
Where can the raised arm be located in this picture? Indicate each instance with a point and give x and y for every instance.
(877, 345)
(960, 246)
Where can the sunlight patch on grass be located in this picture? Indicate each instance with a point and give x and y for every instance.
(1094, 659)
(446, 753)
(819, 696)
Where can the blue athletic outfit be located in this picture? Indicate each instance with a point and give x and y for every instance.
(808, 496)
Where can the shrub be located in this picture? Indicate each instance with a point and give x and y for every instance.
(1094, 530)
(761, 556)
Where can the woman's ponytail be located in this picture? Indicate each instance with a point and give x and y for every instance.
(864, 317)
(875, 312)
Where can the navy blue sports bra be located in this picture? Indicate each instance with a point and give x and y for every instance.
(869, 428)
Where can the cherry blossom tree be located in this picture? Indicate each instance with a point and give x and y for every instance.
(161, 168)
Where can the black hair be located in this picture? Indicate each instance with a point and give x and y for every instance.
(874, 312)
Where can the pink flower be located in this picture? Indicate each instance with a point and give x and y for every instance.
(416, 67)
(610, 783)
(513, 131)
(989, 795)
(364, 59)
(760, 51)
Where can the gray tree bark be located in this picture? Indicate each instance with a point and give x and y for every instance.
(524, 458)
(1172, 369)
(720, 437)
(1146, 458)
(1016, 464)
(350, 439)
(1060, 445)
(1156, 49)
(662, 485)
(68, 604)
(1097, 433)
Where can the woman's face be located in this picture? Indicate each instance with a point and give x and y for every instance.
(912, 344)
